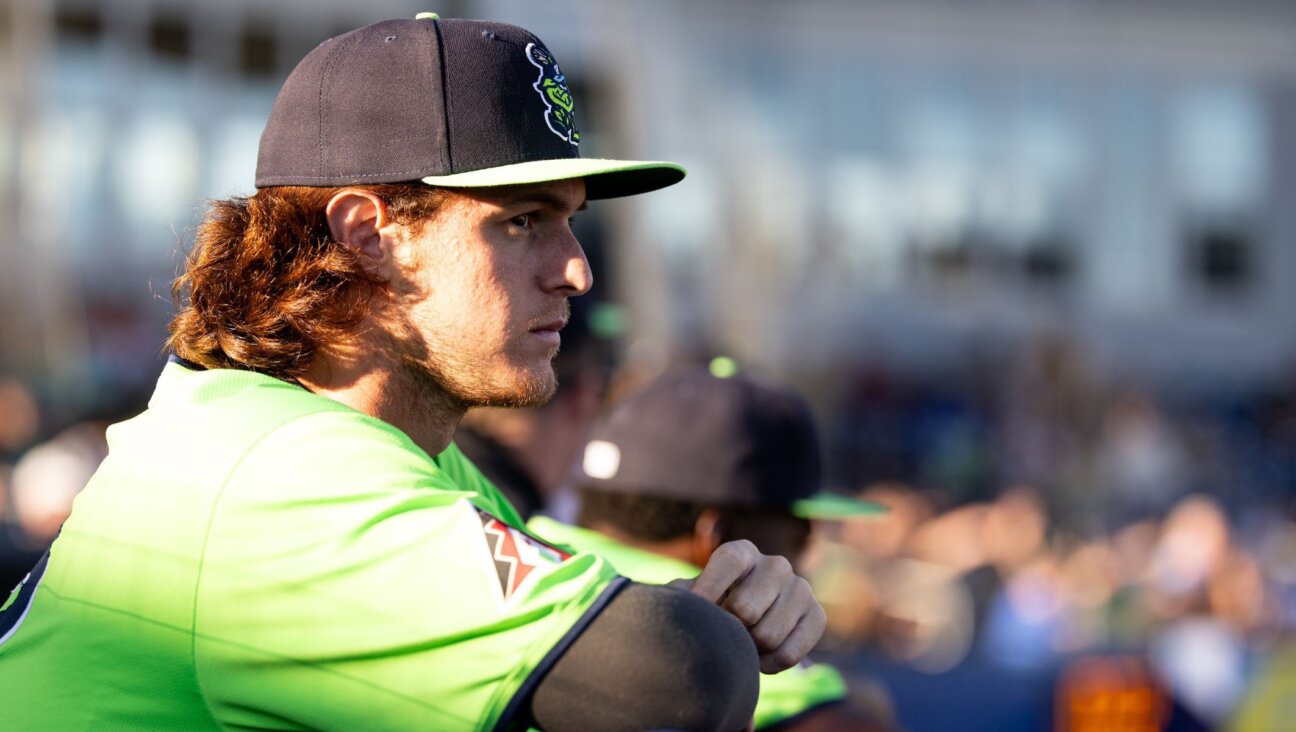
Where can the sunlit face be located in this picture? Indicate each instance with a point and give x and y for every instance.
(482, 295)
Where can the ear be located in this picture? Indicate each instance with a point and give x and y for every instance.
(357, 219)
(706, 535)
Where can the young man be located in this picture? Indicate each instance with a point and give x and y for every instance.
(691, 461)
(286, 538)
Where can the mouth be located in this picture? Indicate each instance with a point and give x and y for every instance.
(548, 331)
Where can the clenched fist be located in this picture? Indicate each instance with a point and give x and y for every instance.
(778, 608)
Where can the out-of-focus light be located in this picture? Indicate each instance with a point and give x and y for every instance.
(1218, 146)
(608, 320)
(157, 168)
(21, 415)
(723, 367)
(234, 158)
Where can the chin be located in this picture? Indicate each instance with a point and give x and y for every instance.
(495, 381)
(520, 388)
(538, 387)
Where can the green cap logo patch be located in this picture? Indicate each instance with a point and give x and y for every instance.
(552, 87)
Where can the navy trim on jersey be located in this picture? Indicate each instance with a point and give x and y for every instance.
(528, 687)
(13, 615)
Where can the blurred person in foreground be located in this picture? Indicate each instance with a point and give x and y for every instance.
(20, 418)
(44, 483)
(287, 538)
(690, 462)
(49, 476)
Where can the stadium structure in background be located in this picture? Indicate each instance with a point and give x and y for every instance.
(909, 181)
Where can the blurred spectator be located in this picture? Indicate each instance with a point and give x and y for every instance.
(692, 461)
(1203, 662)
(1140, 458)
(19, 417)
(49, 477)
(1026, 618)
(1047, 411)
(1194, 539)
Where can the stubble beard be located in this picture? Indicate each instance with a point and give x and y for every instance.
(440, 373)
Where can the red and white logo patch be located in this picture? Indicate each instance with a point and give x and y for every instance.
(516, 553)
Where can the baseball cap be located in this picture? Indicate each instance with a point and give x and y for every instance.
(689, 435)
(453, 103)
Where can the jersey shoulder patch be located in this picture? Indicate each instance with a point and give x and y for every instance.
(516, 554)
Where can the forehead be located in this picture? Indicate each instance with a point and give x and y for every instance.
(561, 195)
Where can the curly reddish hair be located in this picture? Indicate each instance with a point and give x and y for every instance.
(266, 284)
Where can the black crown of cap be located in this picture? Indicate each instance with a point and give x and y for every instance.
(735, 441)
(405, 99)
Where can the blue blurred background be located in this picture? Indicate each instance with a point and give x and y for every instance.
(1029, 259)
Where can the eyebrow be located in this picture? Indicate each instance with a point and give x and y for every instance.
(541, 197)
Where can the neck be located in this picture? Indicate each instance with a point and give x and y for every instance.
(423, 411)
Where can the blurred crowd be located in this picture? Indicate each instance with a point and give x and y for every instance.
(1042, 513)
(929, 586)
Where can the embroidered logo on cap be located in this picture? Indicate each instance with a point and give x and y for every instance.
(552, 87)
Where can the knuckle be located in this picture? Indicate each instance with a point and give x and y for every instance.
(727, 551)
(745, 611)
(785, 657)
(781, 564)
(766, 638)
(744, 548)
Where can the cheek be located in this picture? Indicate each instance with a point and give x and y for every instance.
(498, 288)
(472, 289)
(471, 301)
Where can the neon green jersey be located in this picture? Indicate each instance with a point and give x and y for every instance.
(782, 696)
(251, 555)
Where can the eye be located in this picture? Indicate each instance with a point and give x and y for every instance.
(522, 222)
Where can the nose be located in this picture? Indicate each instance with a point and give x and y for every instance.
(571, 274)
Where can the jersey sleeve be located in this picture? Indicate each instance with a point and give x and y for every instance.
(349, 583)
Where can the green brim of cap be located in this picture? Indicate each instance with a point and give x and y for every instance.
(603, 178)
(835, 506)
